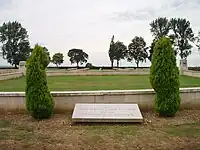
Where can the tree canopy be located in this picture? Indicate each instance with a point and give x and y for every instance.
(15, 42)
(16, 47)
(111, 51)
(151, 48)
(183, 34)
(197, 40)
(137, 50)
(180, 36)
(77, 56)
(119, 52)
(57, 59)
(160, 27)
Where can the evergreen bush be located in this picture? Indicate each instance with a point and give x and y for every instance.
(164, 78)
(39, 101)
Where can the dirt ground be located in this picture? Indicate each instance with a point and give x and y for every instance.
(21, 132)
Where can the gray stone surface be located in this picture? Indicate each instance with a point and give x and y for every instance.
(22, 67)
(183, 64)
(106, 113)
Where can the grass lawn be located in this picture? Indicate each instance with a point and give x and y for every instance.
(21, 132)
(84, 83)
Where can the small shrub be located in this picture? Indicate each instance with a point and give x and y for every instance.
(164, 78)
(39, 101)
(89, 65)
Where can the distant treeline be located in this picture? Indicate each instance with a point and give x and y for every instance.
(74, 67)
(95, 67)
(178, 30)
(194, 68)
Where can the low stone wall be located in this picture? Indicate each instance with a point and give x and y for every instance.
(11, 75)
(15, 73)
(65, 101)
(191, 73)
(98, 72)
(82, 72)
(3, 71)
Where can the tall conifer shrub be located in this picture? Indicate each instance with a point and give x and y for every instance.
(39, 101)
(164, 78)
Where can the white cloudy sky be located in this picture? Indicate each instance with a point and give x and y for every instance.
(89, 24)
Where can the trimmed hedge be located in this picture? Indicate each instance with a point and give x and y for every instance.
(39, 101)
(164, 78)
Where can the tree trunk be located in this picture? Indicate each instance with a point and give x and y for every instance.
(15, 66)
(77, 65)
(181, 53)
(117, 63)
(137, 63)
(57, 65)
(111, 63)
(181, 49)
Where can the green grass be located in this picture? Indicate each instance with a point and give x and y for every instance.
(4, 123)
(186, 130)
(84, 83)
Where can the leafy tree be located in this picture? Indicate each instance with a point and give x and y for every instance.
(117, 51)
(160, 27)
(164, 78)
(151, 48)
(57, 59)
(137, 50)
(111, 51)
(39, 101)
(197, 41)
(48, 55)
(77, 56)
(120, 51)
(15, 43)
(183, 34)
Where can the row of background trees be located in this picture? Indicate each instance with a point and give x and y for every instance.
(136, 50)
(178, 30)
(16, 46)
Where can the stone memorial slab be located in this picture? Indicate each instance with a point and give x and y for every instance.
(106, 113)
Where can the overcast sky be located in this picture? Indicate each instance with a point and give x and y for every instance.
(89, 24)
